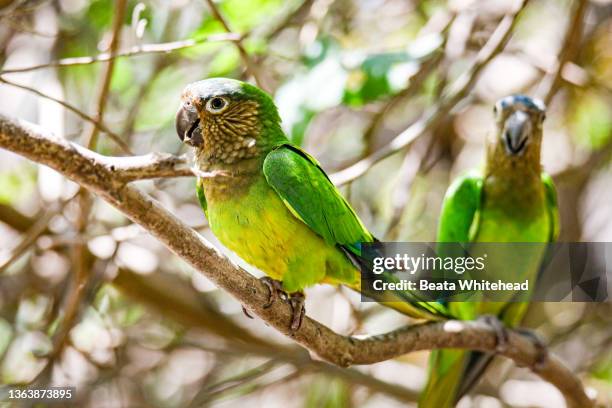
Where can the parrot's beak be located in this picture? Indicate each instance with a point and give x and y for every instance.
(516, 132)
(188, 127)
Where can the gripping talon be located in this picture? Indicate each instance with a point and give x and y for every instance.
(246, 312)
(297, 301)
(539, 345)
(501, 334)
(275, 288)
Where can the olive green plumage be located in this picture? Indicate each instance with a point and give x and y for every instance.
(510, 200)
(267, 200)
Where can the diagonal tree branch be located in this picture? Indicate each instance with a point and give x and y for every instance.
(569, 48)
(85, 168)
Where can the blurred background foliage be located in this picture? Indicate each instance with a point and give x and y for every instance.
(348, 76)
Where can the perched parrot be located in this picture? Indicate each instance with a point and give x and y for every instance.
(269, 201)
(510, 201)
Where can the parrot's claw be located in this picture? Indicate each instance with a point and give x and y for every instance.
(297, 302)
(275, 288)
(246, 312)
(501, 334)
(541, 349)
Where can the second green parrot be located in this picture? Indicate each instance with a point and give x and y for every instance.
(510, 201)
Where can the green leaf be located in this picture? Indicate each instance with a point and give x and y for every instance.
(17, 184)
(325, 392)
(123, 75)
(298, 130)
(156, 111)
(385, 74)
(592, 120)
(243, 15)
(603, 369)
(100, 14)
(224, 62)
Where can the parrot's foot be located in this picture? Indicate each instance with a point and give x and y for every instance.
(540, 347)
(276, 290)
(297, 301)
(501, 334)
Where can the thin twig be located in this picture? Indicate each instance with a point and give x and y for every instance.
(29, 239)
(101, 126)
(237, 380)
(83, 260)
(14, 218)
(161, 48)
(570, 47)
(104, 85)
(152, 165)
(458, 90)
(39, 145)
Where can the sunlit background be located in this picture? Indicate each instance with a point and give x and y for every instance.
(348, 76)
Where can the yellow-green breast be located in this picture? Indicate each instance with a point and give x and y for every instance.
(253, 221)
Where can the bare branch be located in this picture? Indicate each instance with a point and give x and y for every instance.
(81, 166)
(14, 218)
(152, 165)
(107, 75)
(144, 49)
(458, 90)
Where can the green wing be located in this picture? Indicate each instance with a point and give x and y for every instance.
(201, 196)
(459, 214)
(307, 191)
(553, 208)
(309, 194)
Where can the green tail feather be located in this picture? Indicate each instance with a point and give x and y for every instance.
(447, 368)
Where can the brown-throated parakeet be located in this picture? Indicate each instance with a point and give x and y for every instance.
(269, 201)
(509, 201)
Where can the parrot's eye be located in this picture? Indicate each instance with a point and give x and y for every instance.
(216, 104)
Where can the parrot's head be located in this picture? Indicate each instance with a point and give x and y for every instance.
(519, 120)
(226, 120)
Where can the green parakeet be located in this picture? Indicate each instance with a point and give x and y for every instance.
(511, 201)
(269, 201)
